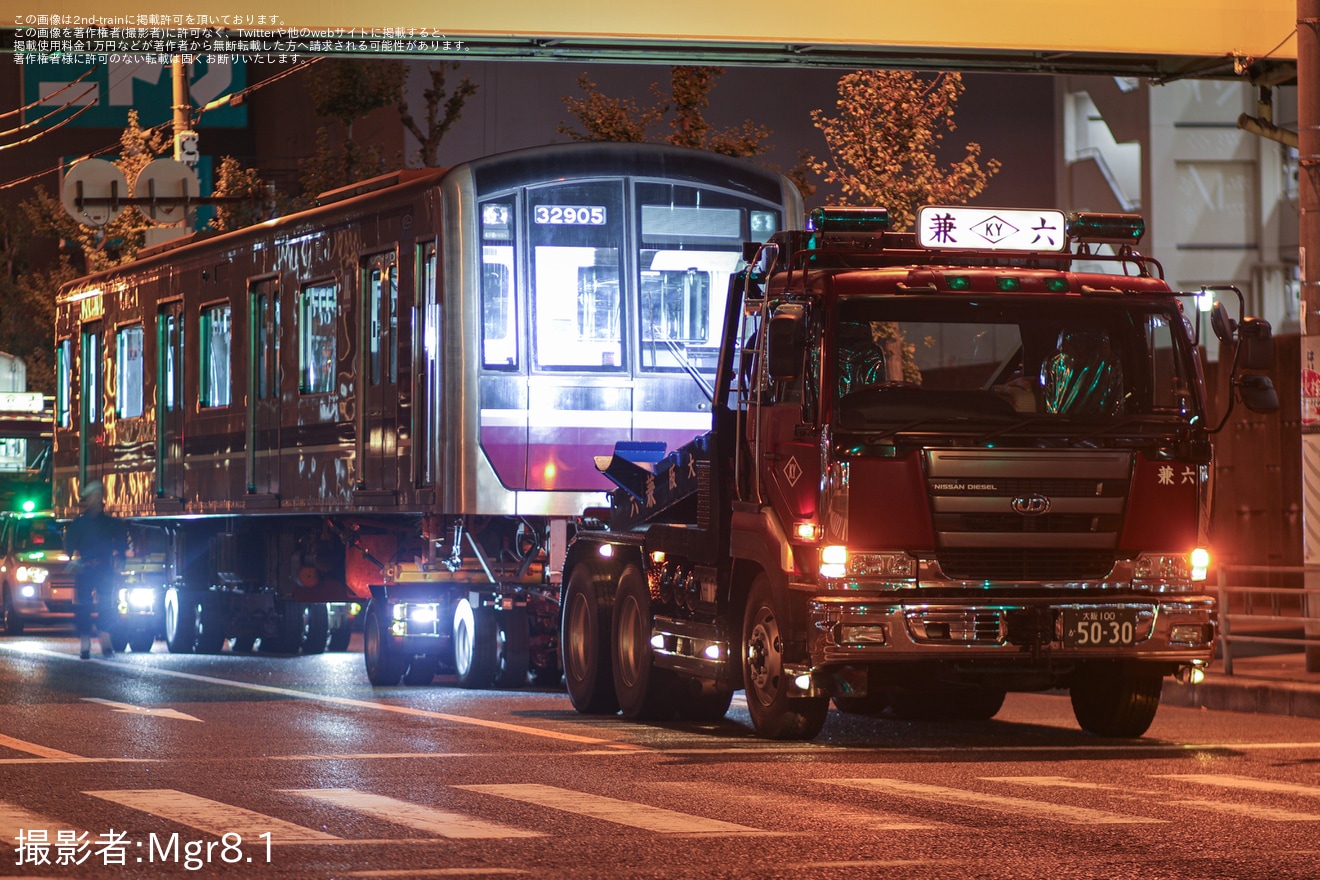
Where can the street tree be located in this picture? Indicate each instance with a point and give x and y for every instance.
(884, 144)
(443, 109)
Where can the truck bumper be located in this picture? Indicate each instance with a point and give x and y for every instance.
(860, 629)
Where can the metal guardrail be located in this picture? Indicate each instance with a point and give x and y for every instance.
(1273, 599)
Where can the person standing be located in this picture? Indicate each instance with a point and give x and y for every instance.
(94, 540)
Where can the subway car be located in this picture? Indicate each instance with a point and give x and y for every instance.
(393, 401)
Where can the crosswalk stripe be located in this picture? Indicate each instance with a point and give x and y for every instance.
(874, 820)
(212, 817)
(1250, 811)
(612, 810)
(943, 795)
(14, 819)
(19, 745)
(1269, 814)
(1246, 783)
(428, 819)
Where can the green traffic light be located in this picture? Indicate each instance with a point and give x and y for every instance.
(29, 506)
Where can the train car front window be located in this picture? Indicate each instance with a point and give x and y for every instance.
(576, 234)
(216, 331)
(128, 371)
(499, 307)
(317, 312)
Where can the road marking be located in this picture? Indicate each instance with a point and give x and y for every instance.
(610, 809)
(436, 872)
(212, 817)
(838, 815)
(19, 745)
(139, 710)
(942, 795)
(1250, 811)
(428, 819)
(1245, 783)
(359, 704)
(1049, 782)
(14, 819)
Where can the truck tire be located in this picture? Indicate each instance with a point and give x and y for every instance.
(142, 642)
(385, 666)
(180, 621)
(705, 707)
(1113, 700)
(210, 619)
(316, 628)
(476, 645)
(339, 637)
(585, 643)
(514, 656)
(118, 641)
(13, 623)
(775, 714)
(643, 691)
(422, 669)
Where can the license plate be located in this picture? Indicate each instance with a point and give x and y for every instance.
(1099, 627)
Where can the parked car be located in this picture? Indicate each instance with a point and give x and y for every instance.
(36, 579)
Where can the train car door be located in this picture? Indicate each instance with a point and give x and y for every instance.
(263, 391)
(378, 372)
(169, 401)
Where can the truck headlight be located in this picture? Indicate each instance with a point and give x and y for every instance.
(31, 574)
(833, 561)
(138, 598)
(27, 591)
(1188, 568)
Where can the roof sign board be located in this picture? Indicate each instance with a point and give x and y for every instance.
(116, 86)
(941, 227)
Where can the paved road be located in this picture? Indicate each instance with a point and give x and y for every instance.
(313, 774)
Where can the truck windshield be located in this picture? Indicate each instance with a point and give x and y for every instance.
(1000, 359)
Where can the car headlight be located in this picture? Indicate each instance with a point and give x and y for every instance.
(31, 574)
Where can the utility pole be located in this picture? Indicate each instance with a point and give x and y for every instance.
(1308, 191)
(185, 139)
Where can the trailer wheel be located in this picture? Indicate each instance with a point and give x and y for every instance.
(316, 628)
(585, 644)
(210, 624)
(118, 642)
(385, 666)
(180, 621)
(476, 645)
(515, 650)
(643, 691)
(142, 642)
(1115, 700)
(339, 637)
(422, 669)
(705, 707)
(775, 714)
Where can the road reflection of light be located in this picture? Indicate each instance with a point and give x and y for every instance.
(27, 647)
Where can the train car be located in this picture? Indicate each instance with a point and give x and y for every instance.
(396, 398)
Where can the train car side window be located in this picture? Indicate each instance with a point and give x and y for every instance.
(63, 381)
(381, 279)
(499, 308)
(216, 331)
(91, 374)
(128, 371)
(576, 235)
(318, 308)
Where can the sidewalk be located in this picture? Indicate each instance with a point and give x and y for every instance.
(1271, 684)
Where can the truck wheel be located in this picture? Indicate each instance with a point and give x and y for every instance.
(142, 642)
(515, 650)
(210, 619)
(118, 642)
(775, 714)
(422, 669)
(1110, 700)
(180, 621)
(643, 691)
(706, 707)
(476, 645)
(585, 644)
(13, 623)
(339, 636)
(385, 666)
(316, 628)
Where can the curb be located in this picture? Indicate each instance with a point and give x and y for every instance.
(1245, 695)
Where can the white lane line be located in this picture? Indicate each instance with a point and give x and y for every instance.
(944, 796)
(359, 704)
(212, 817)
(19, 745)
(428, 819)
(1249, 811)
(130, 709)
(1245, 783)
(609, 809)
(14, 819)
(838, 815)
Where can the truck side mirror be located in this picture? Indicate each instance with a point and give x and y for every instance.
(1258, 393)
(1221, 323)
(786, 343)
(1255, 336)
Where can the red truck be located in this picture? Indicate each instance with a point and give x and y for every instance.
(943, 465)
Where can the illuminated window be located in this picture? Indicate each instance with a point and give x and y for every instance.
(91, 375)
(128, 371)
(63, 381)
(318, 310)
(499, 309)
(216, 331)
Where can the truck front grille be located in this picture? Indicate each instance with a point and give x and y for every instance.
(1014, 564)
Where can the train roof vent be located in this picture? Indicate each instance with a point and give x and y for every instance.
(384, 181)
